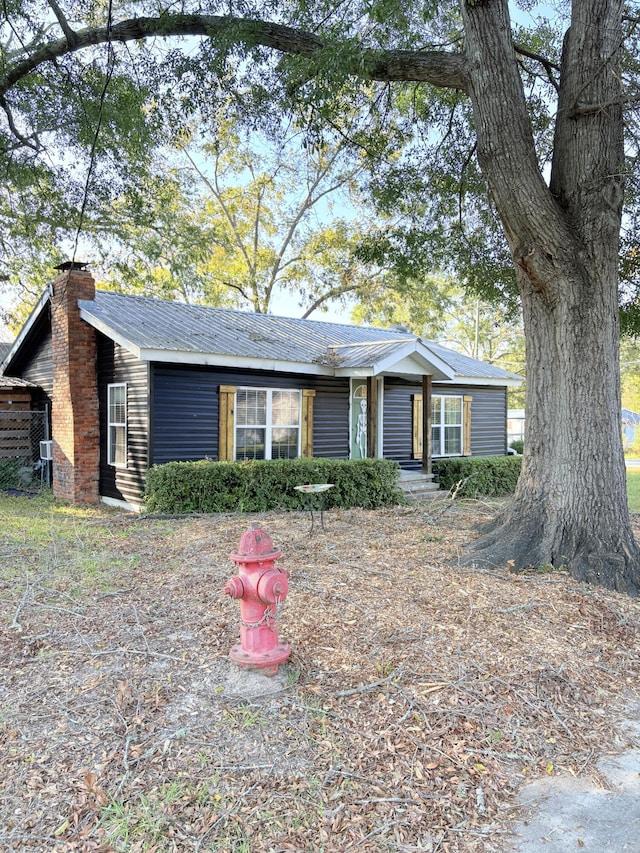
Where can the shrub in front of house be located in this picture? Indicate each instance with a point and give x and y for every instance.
(518, 445)
(486, 476)
(256, 486)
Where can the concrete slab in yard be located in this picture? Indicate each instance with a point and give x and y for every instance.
(563, 813)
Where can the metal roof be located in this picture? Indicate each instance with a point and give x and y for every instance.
(365, 354)
(464, 365)
(157, 330)
(15, 382)
(158, 325)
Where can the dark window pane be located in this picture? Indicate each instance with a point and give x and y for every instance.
(249, 444)
(284, 443)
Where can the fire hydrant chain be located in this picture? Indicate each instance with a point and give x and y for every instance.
(260, 587)
(269, 618)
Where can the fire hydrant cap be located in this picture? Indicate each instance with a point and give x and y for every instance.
(255, 544)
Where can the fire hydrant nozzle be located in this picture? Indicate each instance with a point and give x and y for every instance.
(273, 586)
(234, 588)
(260, 587)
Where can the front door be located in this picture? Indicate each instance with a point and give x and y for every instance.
(358, 419)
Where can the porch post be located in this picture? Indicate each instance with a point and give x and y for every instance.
(372, 417)
(426, 425)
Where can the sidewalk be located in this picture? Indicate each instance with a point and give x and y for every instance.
(565, 813)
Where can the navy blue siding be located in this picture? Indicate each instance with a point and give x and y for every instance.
(39, 370)
(36, 365)
(398, 423)
(488, 419)
(184, 424)
(115, 364)
(330, 417)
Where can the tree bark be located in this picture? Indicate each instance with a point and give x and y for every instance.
(570, 507)
(436, 67)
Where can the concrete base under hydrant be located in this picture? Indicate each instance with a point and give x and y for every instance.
(252, 683)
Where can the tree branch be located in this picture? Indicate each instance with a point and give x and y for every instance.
(307, 204)
(219, 196)
(69, 34)
(584, 109)
(23, 140)
(436, 67)
(239, 288)
(549, 67)
(334, 293)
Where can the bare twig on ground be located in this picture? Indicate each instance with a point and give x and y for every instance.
(26, 596)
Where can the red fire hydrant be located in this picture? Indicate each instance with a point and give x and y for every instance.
(261, 587)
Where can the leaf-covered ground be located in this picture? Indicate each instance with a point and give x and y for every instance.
(418, 698)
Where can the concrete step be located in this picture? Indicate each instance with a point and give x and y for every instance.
(417, 486)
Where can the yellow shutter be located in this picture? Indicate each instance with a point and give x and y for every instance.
(466, 426)
(226, 422)
(417, 426)
(307, 422)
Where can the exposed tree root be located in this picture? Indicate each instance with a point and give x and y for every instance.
(611, 561)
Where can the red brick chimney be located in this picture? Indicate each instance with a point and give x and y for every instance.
(75, 423)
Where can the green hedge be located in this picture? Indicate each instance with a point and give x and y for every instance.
(9, 473)
(489, 476)
(208, 486)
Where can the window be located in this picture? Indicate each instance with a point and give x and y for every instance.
(446, 426)
(450, 425)
(267, 424)
(117, 425)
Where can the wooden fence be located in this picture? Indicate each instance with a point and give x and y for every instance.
(21, 432)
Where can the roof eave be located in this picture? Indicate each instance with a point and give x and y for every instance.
(107, 330)
(414, 352)
(396, 364)
(209, 359)
(440, 365)
(509, 382)
(24, 332)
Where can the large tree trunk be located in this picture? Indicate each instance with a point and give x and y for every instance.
(570, 507)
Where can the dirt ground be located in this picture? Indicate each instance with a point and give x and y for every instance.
(418, 699)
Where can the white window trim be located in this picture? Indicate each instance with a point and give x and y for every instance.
(268, 427)
(110, 423)
(441, 425)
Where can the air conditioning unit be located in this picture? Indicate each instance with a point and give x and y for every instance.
(46, 451)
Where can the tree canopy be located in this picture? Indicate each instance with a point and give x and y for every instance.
(111, 93)
(88, 98)
(241, 219)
